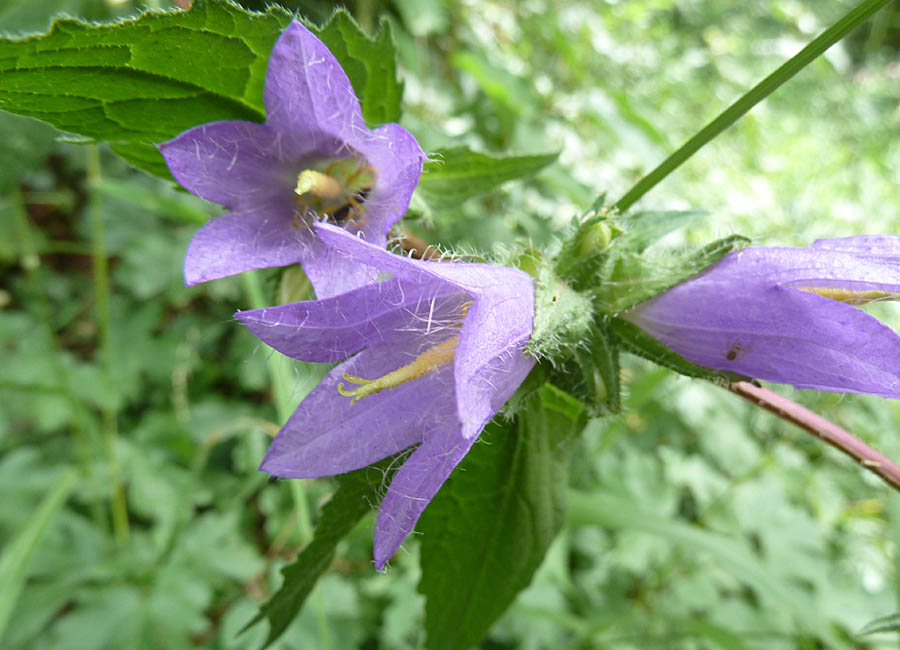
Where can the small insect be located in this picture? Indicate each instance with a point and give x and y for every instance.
(735, 352)
(336, 193)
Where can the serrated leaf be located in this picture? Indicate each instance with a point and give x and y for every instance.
(456, 174)
(370, 64)
(636, 341)
(144, 80)
(488, 528)
(354, 497)
(629, 279)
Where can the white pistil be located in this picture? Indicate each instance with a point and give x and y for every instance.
(849, 296)
(318, 184)
(429, 361)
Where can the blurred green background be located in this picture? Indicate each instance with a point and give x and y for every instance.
(133, 411)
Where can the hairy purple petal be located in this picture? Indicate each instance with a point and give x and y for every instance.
(482, 314)
(312, 119)
(225, 245)
(236, 164)
(413, 487)
(774, 314)
(334, 328)
(327, 435)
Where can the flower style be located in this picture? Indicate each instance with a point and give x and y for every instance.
(788, 315)
(313, 157)
(434, 351)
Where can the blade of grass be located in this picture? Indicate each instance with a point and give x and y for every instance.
(755, 95)
(18, 552)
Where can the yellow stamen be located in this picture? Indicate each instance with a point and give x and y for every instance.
(849, 296)
(429, 361)
(318, 184)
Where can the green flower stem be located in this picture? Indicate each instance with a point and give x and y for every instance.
(755, 95)
(30, 261)
(100, 266)
(283, 394)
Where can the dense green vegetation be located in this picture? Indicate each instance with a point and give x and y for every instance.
(134, 412)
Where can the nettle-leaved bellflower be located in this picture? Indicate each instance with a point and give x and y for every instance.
(789, 315)
(313, 158)
(428, 357)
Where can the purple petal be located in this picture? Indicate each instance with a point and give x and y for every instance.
(327, 435)
(805, 268)
(254, 238)
(415, 484)
(778, 334)
(235, 164)
(397, 158)
(883, 245)
(334, 328)
(332, 275)
(308, 97)
(489, 363)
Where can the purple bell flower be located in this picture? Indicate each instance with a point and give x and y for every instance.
(788, 315)
(314, 157)
(428, 356)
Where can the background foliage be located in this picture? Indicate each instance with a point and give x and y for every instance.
(695, 521)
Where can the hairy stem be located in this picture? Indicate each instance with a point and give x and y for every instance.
(750, 99)
(831, 433)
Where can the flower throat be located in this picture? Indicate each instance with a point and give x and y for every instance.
(335, 189)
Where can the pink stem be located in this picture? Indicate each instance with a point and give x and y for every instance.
(815, 424)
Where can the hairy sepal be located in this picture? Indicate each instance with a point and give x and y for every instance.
(562, 318)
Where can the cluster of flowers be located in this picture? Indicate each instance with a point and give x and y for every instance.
(427, 351)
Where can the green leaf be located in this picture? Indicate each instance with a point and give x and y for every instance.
(144, 80)
(18, 552)
(889, 623)
(370, 64)
(354, 497)
(636, 341)
(629, 279)
(459, 173)
(644, 228)
(732, 555)
(488, 528)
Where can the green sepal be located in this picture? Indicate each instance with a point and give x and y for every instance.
(488, 528)
(562, 316)
(356, 493)
(633, 339)
(591, 373)
(630, 279)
